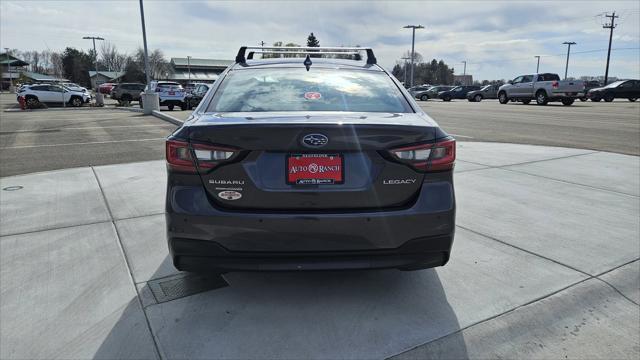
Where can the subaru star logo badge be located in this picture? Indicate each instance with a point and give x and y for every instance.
(315, 140)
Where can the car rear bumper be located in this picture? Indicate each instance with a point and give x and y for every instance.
(201, 236)
(199, 255)
(176, 102)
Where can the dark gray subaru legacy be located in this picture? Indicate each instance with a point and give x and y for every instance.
(318, 160)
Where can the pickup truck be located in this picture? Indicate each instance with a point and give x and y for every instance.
(542, 88)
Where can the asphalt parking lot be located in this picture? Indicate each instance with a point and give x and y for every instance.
(613, 127)
(53, 139)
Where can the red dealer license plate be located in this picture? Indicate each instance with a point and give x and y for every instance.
(315, 169)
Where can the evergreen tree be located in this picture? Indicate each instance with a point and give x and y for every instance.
(312, 41)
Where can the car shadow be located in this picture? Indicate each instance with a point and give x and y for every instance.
(329, 314)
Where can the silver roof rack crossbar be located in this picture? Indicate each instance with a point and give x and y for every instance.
(303, 50)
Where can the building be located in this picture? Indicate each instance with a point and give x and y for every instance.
(185, 70)
(11, 67)
(104, 77)
(15, 70)
(463, 79)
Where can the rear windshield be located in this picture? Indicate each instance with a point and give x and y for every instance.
(296, 89)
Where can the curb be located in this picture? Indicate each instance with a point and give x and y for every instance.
(166, 117)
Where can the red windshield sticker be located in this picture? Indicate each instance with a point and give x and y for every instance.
(312, 95)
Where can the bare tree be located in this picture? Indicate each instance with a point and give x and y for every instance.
(111, 58)
(56, 64)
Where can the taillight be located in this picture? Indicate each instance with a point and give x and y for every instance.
(181, 156)
(428, 157)
(555, 84)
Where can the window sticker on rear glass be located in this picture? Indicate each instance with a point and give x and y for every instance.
(312, 95)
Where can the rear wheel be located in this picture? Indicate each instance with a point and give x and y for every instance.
(595, 98)
(567, 101)
(446, 98)
(424, 97)
(526, 101)
(477, 98)
(183, 107)
(32, 102)
(170, 107)
(502, 97)
(583, 99)
(541, 97)
(632, 99)
(608, 97)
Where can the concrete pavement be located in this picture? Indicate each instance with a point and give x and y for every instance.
(545, 264)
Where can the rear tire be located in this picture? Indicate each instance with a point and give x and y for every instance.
(632, 99)
(446, 98)
(477, 98)
(583, 99)
(608, 98)
(32, 102)
(567, 102)
(502, 97)
(595, 99)
(541, 97)
(170, 107)
(424, 97)
(183, 107)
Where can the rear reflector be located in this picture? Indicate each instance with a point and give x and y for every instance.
(428, 157)
(180, 156)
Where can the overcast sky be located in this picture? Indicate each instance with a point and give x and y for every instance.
(498, 39)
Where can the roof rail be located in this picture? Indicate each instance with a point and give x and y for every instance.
(303, 50)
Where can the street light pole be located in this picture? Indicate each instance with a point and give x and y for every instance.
(189, 68)
(413, 42)
(150, 100)
(566, 68)
(537, 66)
(405, 70)
(464, 72)
(99, 100)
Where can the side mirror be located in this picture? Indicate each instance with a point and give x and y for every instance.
(510, 82)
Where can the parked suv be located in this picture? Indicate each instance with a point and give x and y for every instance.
(52, 94)
(127, 92)
(309, 164)
(541, 87)
(486, 92)
(458, 92)
(171, 94)
(194, 97)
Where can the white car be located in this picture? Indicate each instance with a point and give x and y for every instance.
(53, 94)
(74, 87)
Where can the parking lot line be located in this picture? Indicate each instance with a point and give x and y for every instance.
(85, 128)
(82, 143)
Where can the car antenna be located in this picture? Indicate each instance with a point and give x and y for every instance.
(307, 62)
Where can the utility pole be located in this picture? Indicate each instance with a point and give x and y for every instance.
(405, 70)
(537, 66)
(566, 68)
(99, 100)
(464, 72)
(262, 43)
(189, 68)
(146, 51)
(609, 26)
(413, 42)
